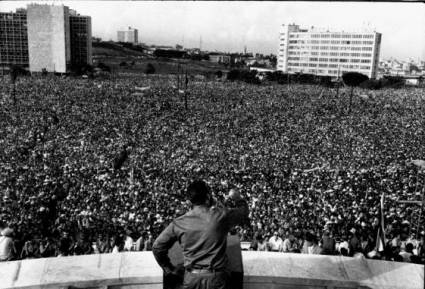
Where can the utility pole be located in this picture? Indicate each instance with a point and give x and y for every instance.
(185, 91)
(178, 76)
(420, 203)
(337, 83)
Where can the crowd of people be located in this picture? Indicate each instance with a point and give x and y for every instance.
(92, 166)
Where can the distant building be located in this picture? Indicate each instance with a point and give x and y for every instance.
(13, 39)
(130, 35)
(45, 37)
(328, 53)
(220, 58)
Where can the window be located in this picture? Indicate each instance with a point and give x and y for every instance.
(365, 61)
(355, 60)
(315, 53)
(312, 64)
(324, 53)
(313, 59)
(343, 60)
(334, 54)
(323, 59)
(323, 65)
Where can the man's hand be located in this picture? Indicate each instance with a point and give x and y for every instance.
(170, 270)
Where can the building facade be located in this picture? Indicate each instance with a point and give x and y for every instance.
(328, 53)
(81, 39)
(13, 39)
(131, 35)
(45, 37)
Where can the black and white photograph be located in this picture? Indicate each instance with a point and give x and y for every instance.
(212, 144)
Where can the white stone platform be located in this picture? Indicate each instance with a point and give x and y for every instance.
(264, 270)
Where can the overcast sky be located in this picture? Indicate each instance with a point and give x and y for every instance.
(229, 26)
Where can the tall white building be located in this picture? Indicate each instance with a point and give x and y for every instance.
(49, 45)
(130, 35)
(322, 52)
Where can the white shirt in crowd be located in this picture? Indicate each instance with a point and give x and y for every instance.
(276, 243)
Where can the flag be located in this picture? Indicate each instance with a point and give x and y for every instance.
(380, 239)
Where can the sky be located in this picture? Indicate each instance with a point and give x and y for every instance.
(230, 26)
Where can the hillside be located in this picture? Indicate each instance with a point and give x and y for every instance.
(110, 49)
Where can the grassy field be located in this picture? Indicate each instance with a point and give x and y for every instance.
(113, 54)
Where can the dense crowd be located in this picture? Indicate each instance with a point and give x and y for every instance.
(90, 166)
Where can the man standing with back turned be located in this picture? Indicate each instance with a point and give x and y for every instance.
(202, 234)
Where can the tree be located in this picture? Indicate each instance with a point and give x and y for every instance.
(150, 69)
(104, 67)
(233, 75)
(353, 79)
(218, 74)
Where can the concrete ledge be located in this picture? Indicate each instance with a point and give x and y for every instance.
(317, 271)
(98, 271)
(265, 270)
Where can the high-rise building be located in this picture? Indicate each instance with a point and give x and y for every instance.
(322, 52)
(13, 39)
(81, 39)
(45, 37)
(49, 43)
(130, 35)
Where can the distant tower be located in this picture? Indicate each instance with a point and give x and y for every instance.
(200, 43)
(244, 50)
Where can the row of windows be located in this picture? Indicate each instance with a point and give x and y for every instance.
(323, 65)
(313, 59)
(317, 71)
(348, 36)
(344, 42)
(315, 53)
(330, 48)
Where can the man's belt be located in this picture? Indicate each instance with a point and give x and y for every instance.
(203, 270)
